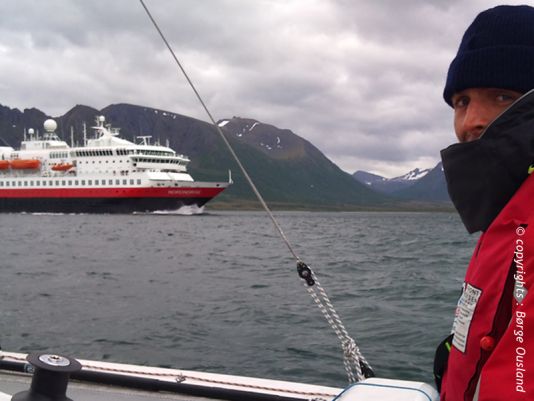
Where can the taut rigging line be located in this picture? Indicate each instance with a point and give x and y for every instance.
(356, 365)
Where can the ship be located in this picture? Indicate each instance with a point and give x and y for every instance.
(108, 174)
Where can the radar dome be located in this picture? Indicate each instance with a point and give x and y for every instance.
(31, 131)
(50, 125)
(101, 119)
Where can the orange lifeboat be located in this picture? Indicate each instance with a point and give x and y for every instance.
(4, 164)
(25, 164)
(62, 167)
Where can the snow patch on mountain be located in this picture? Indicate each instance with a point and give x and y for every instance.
(389, 185)
(414, 175)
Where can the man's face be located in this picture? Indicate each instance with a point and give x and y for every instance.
(475, 108)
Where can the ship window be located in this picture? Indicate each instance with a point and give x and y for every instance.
(31, 183)
(37, 183)
(44, 183)
(7, 183)
(110, 182)
(1, 183)
(57, 183)
(90, 182)
(63, 183)
(69, 183)
(138, 182)
(83, 182)
(118, 182)
(25, 183)
(96, 182)
(124, 182)
(51, 183)
(131, 182)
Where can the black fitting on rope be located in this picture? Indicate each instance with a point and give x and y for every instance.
(305, 273)
(366, 370)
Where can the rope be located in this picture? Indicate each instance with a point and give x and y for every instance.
(356, 366)
(353, 359)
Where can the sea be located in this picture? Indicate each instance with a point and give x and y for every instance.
(219, 291)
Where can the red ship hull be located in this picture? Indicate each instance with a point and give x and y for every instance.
(103, 200)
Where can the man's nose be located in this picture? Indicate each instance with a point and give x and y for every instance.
(475, 121)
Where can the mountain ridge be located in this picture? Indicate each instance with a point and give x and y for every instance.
(426, 185)
(287, 169)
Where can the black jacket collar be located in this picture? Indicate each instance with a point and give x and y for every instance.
(483, 175)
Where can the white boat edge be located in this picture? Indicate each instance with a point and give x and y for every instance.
(367, 390)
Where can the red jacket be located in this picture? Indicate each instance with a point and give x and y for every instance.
(492, 357)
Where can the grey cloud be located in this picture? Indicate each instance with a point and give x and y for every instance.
(360, 80)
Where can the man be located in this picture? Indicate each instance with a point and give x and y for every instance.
(488, 177)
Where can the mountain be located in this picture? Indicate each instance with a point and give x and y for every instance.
(432, 187)
(13, 122)
(288, 170)
(426, 185)
(287, 167)
(389, 185)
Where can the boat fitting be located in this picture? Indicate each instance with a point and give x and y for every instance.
(50, 378)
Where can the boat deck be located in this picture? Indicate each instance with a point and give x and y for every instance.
(112, 381)
(103, 380)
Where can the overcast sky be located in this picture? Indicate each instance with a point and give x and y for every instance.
(361, 80)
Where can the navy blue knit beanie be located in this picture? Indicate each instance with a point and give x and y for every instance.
(497, 51)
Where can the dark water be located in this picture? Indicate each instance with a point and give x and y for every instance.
(219, 291)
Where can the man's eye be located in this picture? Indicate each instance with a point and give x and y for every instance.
(504, 97)
(460, 102)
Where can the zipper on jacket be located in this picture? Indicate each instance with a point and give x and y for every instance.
(502, 317)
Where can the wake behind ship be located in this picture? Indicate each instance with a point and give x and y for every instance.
(108, 174)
